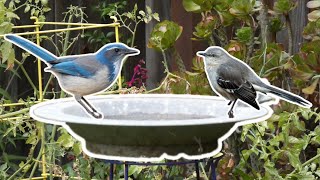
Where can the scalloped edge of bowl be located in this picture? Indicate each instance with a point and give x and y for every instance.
(164, 155)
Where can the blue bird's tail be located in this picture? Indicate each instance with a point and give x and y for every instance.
(31, 47)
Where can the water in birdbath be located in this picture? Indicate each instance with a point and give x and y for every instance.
(160, 117)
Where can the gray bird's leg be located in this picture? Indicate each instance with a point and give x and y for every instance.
(230, 113)
(229, 103)
(88, 107)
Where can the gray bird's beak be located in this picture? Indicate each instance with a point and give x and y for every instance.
(132, 52)
(201, 53)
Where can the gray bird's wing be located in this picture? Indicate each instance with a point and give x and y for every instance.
(230, 78)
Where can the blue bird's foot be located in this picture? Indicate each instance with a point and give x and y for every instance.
(96, 115)
(89, 108)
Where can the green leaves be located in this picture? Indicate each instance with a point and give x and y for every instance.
(204, 29)
(65, 140)
(198, 5)
(280, 149)
(284, 6)
(244, 34)
(191, 6)
(242, 7)
(311, 31)
(3, 171)
(7, 53)
(275, 24)
(164, 35)
(315, 14)
(313, 4)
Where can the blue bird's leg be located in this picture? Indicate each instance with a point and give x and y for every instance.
(230, 113)
(89, 108)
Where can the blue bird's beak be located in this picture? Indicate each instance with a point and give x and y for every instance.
(201, 53)
(132, 52)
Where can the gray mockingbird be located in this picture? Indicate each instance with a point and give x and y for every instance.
(233, 79)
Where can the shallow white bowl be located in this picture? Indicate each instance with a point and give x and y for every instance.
(150, 127)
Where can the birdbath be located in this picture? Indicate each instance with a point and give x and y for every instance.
(150, 127)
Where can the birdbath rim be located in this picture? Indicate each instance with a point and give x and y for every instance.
(61, 117)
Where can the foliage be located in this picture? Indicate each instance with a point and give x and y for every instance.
(98, 37)
(286, 146)
(315, 14)
(129, 20)
(63, 153)
(64, 156)
(164, 35)
(284, 6)
(162, 38)
(277, 148)
(244, 34)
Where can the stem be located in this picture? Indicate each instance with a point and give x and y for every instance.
(22, 111)
(179, 61)
(290, 34)
(263, 21)
(251, 43)
(31, 155)
(265, 45)
(47, 85)
(307, 162)
(15, 157)
(290, 50)
(122, 22)
(159, 87)
(40, 152)
(168, 74)
(51, 160)
(204, 171)
(27, 76)
(28, 162)
(134, 35)
(15, 173)
(19, 6)
(165, 63)
(65, 46)
(11, 79)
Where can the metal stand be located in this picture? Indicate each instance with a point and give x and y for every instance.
(213, 164)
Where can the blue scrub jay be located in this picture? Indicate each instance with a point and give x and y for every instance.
(81, 75)
(233, 79)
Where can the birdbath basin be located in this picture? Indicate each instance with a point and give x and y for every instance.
(149, 127)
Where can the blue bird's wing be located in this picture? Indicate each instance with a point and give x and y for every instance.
(82, 66)
(31, 47)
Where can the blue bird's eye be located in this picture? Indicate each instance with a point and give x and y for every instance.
(116, 49)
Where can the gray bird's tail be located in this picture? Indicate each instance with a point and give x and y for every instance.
(31, 47)
(287, 96)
